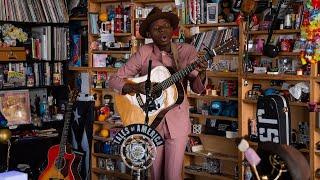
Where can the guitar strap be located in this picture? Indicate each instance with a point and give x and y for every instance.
(174, 51)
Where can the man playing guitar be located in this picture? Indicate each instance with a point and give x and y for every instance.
(175, 126)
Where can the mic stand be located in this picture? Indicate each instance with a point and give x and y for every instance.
(148, 94)
(247, 64)
(273, 23)
(136, 174)
(146, 110)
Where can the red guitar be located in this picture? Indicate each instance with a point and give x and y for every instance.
(62, 165)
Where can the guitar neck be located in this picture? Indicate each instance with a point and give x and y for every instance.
(64, 136)
(179, 75)
(228, 44)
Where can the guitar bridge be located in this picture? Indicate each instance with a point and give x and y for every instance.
(152, 104)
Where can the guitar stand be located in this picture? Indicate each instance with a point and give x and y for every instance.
(136, 175)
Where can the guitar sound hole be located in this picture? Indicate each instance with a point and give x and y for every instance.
(60, 163)
(156, 95)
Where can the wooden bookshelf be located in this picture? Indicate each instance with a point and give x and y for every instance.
(73, 68)
(222, 74)
(83, 18)
(211, 25)
(107, 156)
(110, 52)
(207, 97)
(299, 110)
(107, 1)
(208, 175)
(280, 54)
(277, 77)
(209, 154)
(99, 138)
(283, 31)
(107, 90)
(142, 38)
(102, 69)
(97, 6)
(246, 108)
(58, 24)
(115, 35)
(290, 103)
(116, 174)
(153, 1)
(213, 117)
(225, 54)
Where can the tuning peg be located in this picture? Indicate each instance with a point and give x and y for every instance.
(209, 52)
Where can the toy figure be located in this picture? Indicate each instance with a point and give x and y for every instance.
(316, 4)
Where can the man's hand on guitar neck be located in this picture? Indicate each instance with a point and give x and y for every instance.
(201, 68)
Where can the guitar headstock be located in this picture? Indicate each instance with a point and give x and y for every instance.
(230, 44)
(73, 94)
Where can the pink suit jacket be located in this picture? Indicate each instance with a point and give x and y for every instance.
(177, 118)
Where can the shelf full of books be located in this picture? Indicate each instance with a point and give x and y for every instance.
(30, 75)
(47, 11)
(43, 46)
(207, 12)
(215, 38)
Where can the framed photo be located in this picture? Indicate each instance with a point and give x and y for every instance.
(99, 60)
(15, 107)
(212, 13)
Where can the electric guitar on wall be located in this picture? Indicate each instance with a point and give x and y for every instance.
(166, 93)
(61, 164)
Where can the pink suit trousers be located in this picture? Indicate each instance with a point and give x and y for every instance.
(169, 159)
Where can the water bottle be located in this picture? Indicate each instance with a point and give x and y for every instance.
(44, 110)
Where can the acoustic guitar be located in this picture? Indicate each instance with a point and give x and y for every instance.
(61, 164)
(166, 93)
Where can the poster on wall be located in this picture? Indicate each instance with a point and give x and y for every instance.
(212, 13)
(76, 50)
(15, 107)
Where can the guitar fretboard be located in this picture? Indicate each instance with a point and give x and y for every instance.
(64, 136)
(181, 74)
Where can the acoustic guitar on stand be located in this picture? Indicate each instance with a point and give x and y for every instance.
(61, 164)
(166, 93)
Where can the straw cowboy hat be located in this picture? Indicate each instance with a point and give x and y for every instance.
(154, 15)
